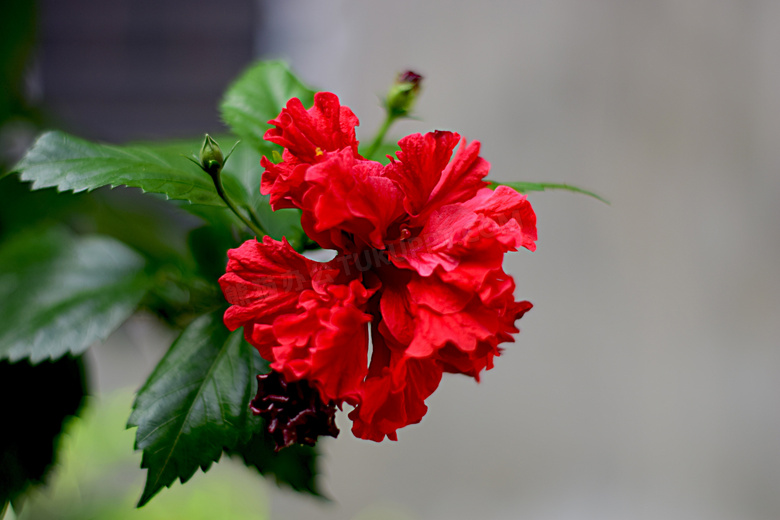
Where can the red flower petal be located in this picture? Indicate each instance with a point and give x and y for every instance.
(480, 230)
(327, 342)
(431, 318)
(262, 280)
(515, 220)
(307, 134)
(421, 161)
(461, 179)
(349, 204)
(429, 179)
(305, 317)
(284, 182)
(393, 396)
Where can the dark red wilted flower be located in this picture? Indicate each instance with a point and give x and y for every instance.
(294, 411)
(420, 246)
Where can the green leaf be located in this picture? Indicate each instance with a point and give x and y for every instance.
(60, 293)
(195, 403)
(209, 245)
(258, 96)
(72, 164)
(43, 397)
(525, 187)
(294, 466)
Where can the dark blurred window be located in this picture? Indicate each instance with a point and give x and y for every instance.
(141, 69)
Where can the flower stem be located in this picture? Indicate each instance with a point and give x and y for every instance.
(256, 229)
(380, 136)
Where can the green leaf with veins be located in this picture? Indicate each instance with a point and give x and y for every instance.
(258, 96)
(195, 403)
(68, 163)
(59, 293)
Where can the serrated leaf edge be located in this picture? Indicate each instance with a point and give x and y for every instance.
(147, 496)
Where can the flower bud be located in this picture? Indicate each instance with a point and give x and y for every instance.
(211, 159)
(403, 93)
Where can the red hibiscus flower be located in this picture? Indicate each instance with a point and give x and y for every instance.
(420, 246)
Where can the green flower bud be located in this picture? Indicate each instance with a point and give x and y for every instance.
(211, 159)
(402, 95)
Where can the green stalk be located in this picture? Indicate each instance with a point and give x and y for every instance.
(380, 136)
(221, 192)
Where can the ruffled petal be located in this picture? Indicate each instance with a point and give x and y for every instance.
(307, 134)
(284, 182)
(513, 219)
(263, 280)
(429, 179)
(326, 342)
(478, 232)
(307, 318)
(471, 363)
(349, 205)
(394, 393)
(421, 161)
(460, 326)
(461, 179)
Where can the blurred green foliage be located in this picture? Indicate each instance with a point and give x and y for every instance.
(98, 477)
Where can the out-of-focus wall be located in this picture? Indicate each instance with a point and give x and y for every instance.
(140, 69)
(645, 383)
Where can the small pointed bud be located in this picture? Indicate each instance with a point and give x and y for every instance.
(211, 159)
(403, 93)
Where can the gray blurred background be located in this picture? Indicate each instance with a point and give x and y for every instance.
(646, 381)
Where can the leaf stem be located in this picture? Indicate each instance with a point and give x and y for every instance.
(256, 229)
(380, 136)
